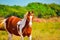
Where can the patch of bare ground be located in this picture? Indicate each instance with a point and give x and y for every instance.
(53, 19)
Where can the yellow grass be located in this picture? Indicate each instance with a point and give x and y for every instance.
(40, 31)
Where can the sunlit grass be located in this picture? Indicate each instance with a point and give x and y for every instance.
(46, 31)
(40, 31)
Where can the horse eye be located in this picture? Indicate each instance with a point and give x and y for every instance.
(18, 25)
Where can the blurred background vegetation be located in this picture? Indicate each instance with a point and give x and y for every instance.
(43, 29)
(40, 10)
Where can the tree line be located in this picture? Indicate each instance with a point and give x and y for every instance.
(40, 10)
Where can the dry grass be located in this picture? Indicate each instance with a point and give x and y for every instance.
(41, 31)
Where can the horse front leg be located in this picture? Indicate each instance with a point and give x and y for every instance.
(30, 37)
(20, 32)
(22, 38)
(9, 36)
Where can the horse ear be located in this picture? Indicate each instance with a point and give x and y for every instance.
(32, 12)
(28, 12)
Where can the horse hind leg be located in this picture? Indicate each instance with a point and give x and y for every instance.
(30, 37)
(9, 36)
(21, 38)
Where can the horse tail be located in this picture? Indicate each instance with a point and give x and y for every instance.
(2, 25)
(3, 22)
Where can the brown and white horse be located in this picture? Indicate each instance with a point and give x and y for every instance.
(18, 26)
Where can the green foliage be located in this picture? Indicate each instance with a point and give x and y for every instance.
(40, 10)
(56, 8)
(6, 11)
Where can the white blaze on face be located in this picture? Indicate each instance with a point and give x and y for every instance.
(30, 23)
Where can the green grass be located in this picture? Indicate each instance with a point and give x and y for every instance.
(40, 31)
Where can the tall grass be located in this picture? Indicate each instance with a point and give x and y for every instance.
(40, 31)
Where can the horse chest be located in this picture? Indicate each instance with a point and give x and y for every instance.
(26, 31)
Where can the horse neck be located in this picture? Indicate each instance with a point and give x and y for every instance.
(28, 23)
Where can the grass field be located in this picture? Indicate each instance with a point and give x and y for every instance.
(40, 31)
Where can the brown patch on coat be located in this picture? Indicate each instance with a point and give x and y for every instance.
(27, 29)
(11, 25)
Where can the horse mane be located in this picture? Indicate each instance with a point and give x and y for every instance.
(26, 15)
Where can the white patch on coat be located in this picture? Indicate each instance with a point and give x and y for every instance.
(22, 24)
(4, 21)
(30, 23)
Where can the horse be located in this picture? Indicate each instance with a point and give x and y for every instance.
(19, 27)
